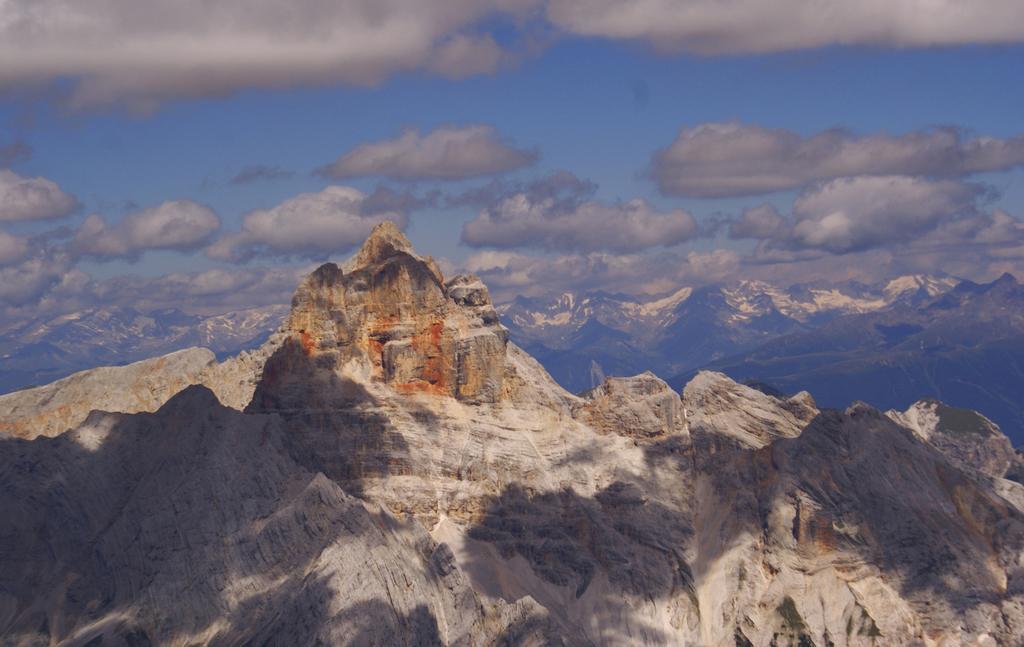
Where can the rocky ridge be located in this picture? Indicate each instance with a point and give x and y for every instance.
(401, 474)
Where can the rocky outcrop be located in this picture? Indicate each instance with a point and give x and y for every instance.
(143, 386)
(966, 437)
(715, 404)
(402, 475)
(391, 314)
(135, 388)
(642, 406)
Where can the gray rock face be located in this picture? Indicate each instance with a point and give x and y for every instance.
(140, 387)
(345, 507)
(966, 437)
(643, 405)
(193, 525)
(143, 386)
(723, 407)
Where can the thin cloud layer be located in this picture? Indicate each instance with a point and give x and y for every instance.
(557, 214)
(145, 53)
(446, 153)
(16, 151)
(309, 225)
(181, 225)
(260, 173)
(744, 26)
(731, 159)
(35, 198)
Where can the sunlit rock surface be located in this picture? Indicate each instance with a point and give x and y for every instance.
(964, 436)
(400, 474)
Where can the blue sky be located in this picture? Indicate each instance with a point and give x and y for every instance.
(598, 107)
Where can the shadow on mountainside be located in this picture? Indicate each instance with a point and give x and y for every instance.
(610, 554)
(335, 425)
(862, 485)
(193, 524)
(935, 527)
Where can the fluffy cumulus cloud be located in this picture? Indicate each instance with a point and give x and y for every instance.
(556, 213)
(731, 159)
(854, 214)
(310, 225)
(857, 213)
(145, 52)
(48, 271)
(180, 225)
(35, 198)
(739, 26)
(446, 153)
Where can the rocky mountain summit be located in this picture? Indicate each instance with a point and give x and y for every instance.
(388, 469)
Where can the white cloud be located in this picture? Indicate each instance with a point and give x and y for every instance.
(508, 274)
(446, 153)
(34, 198)
(27, 282)
(12, 248)
(762, 221)
(857, 213)
(146, 52)
(180, 224)
(543, 217)
(730, 159)
(311, 225)
(739, 26)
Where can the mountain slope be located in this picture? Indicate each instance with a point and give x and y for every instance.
(403, 474)
(45, 350)
(965, 347)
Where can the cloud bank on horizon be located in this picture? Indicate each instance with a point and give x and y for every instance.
(831, 203)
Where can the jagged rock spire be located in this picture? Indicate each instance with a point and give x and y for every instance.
(390, 310)
(385, 240)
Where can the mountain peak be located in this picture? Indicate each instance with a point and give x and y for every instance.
(384, 241)
(391, 314)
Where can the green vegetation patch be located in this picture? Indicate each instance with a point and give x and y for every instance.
(957, 421)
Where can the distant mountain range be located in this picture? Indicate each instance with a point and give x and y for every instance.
(48, 349)
(890, 343)
(965, 347)
(580, 338)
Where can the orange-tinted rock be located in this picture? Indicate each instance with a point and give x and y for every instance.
(392, 312)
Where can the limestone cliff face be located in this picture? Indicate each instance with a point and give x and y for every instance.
(141, 387)
(401, 475)
(642, 405)
(391, 314)
(966, 437)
